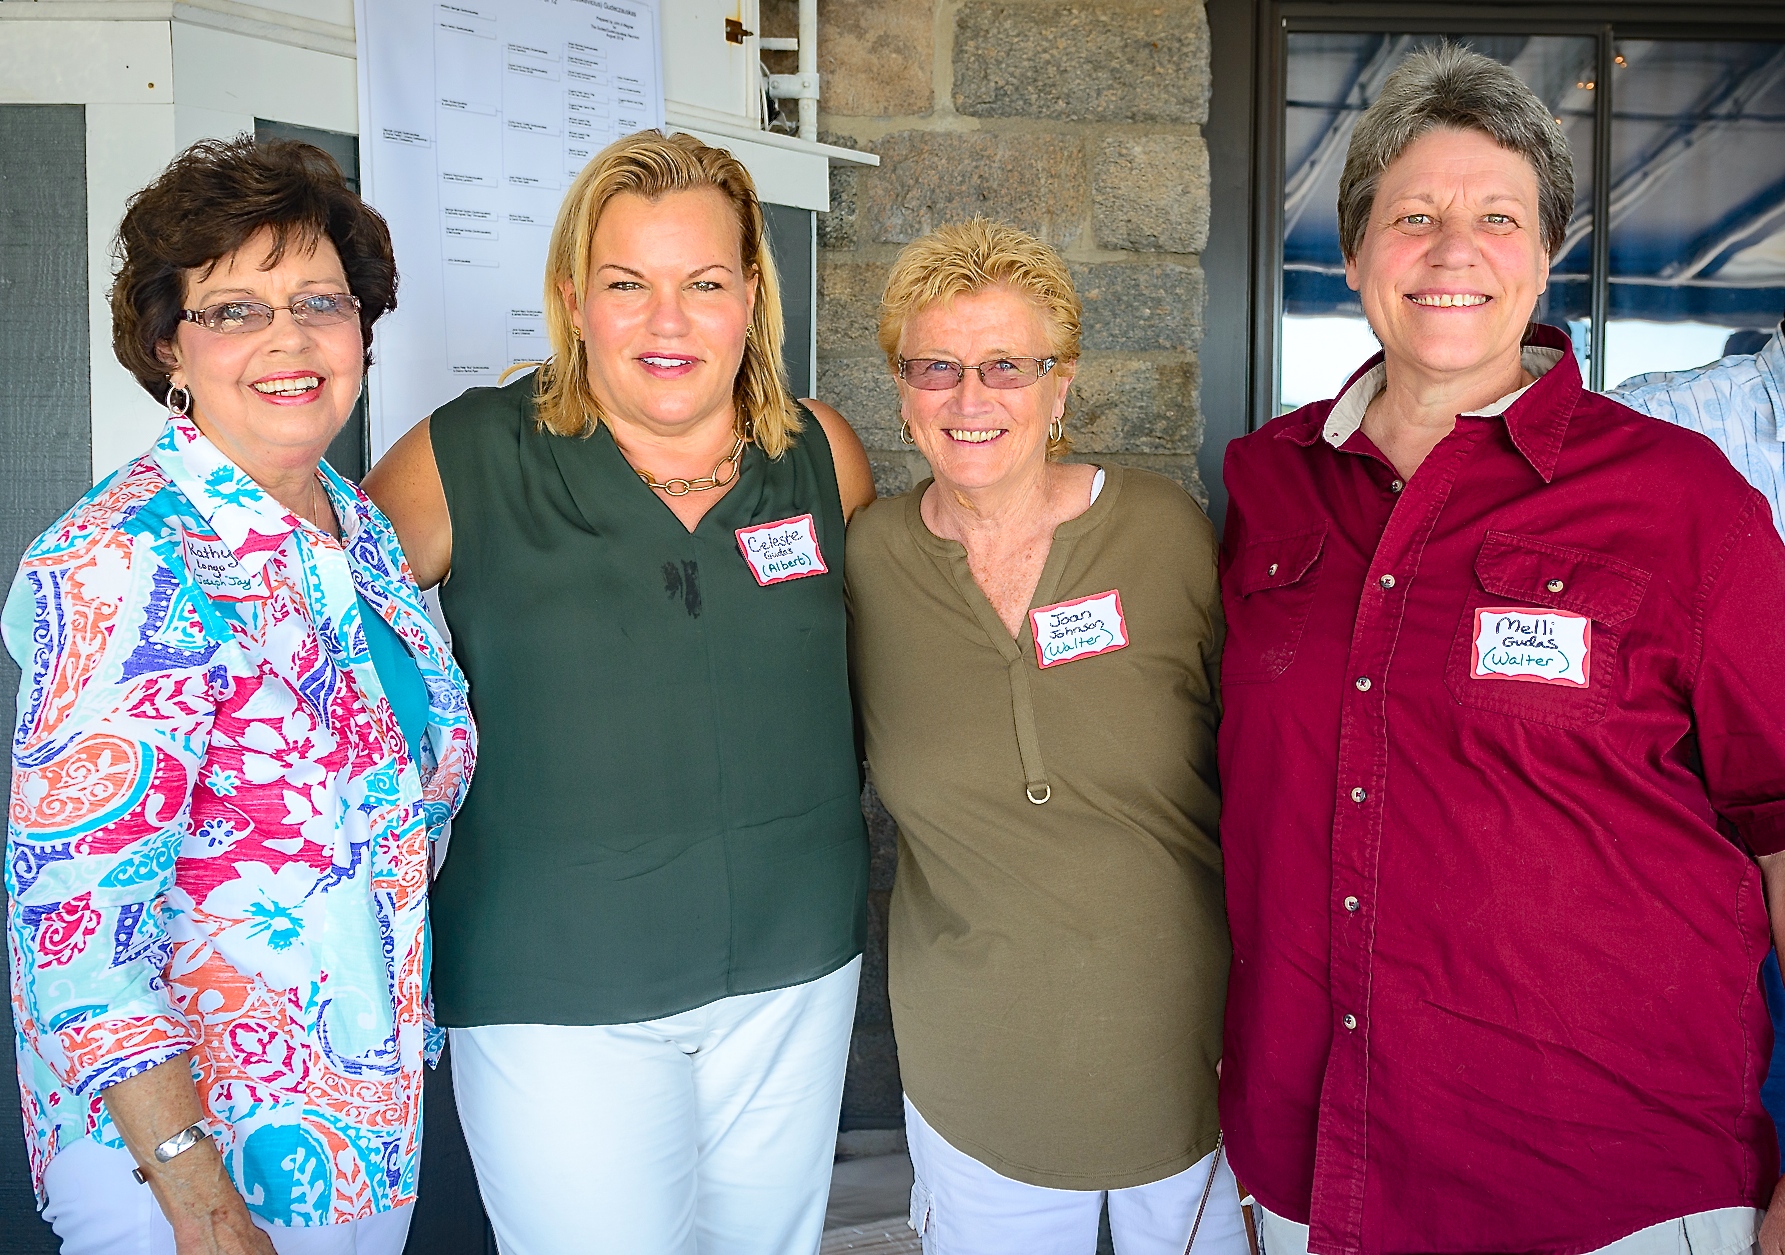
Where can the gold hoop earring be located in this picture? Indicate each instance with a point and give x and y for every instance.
(1056, 431)
(905, 436)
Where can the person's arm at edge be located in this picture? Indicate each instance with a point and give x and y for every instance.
(1771, 1238)
(202, 1205)
(406, 486)
(155, 1096)
(855, 479)
(1743, 772)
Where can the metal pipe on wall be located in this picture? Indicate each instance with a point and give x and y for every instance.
(803, 85)
(808, 65)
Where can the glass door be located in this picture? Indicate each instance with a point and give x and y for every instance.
(1331, 79)
(1697, 202)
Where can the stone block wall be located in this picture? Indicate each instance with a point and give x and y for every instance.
(1079, 122)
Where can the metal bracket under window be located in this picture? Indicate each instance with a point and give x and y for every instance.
(794, 86)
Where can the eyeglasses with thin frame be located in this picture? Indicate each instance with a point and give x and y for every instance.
(317, 309)
(935, 374)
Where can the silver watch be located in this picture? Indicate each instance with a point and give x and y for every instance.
(178, 1144)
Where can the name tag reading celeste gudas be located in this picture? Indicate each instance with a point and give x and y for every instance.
(1536, 646)
(213, 564)
(778, 552)
(1082, 628)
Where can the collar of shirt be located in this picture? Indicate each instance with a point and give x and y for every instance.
(255, 527)
(242, 513)
(1770, 361)
(1536, 414)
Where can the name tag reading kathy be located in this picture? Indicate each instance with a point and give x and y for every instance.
(213, 564)
(787, 550)
(1069, 630)
(1545, 646)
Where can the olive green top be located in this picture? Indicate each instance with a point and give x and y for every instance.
(666, 808)
(1057, 971)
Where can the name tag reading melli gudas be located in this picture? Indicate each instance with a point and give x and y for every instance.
(1082, 628)
(783, 550)
(1535, 646)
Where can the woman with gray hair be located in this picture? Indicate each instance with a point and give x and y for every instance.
(1502, 753)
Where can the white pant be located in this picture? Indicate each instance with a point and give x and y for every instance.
(962, 1207)
(97, 1208)
(706, 1133)
(1726, 1231)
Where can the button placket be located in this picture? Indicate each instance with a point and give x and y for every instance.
(1341, 1154)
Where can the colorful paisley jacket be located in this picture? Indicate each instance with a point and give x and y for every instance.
(217, 840)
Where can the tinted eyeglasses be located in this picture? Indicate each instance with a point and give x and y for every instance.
(933, 374)
(319, 309)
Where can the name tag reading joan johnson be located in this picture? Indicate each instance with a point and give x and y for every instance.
(213, 564)
(787, 550)
(1069, 630)
(1545, 646)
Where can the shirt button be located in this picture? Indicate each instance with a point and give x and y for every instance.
(1555, 586)
(1351, 904)
(1358, 795)
(1351, 1021)
(1387, 581)
(1273, 569)
(1363, 684)
(1395, 485)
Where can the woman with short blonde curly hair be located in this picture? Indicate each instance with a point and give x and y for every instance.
(1034, 646)
(649, 931)
(966, 257)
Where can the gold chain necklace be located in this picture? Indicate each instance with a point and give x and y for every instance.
(682, 487)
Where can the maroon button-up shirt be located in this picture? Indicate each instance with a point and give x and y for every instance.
(1497, 940)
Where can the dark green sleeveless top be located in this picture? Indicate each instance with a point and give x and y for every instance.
(666, 808)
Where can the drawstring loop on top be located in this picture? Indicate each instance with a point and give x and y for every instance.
(1028, 740)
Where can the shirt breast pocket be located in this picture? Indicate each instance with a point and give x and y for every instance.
(1271, 591)
(1546, 605)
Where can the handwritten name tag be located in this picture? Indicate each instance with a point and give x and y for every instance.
(1545, 646)
(1069, 630)
(787, 550)
(213, 564)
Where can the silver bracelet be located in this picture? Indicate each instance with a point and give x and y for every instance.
(178, 1144)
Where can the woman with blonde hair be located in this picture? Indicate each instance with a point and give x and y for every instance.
(649, 933)
(1034, 646)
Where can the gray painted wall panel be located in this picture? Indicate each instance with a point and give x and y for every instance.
(790, 239)
(46, 451)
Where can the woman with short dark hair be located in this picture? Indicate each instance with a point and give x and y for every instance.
(238, 734)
